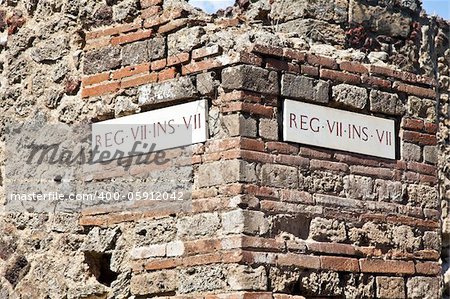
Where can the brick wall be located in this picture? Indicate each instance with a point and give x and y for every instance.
(269, 219)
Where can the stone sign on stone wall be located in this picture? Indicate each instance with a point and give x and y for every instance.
(337, 129)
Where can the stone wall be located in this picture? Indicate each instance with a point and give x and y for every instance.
(269, 219)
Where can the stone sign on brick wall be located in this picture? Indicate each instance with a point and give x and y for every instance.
(337, 129)
(151, 131)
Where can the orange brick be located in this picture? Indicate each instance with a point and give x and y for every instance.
(372, 171)
(148, 3)
(95, 79)
(374, 81)
(422, 168)
(389, 266)
(199, 66)
(380, 70)
(177, 59)
(428, 268)
(100, 89)
(412, 124)
(250, 58)
(322, 61)
(167, 74)
(150, 11)
(205, 52)
(302, 261)
(281, 147)
(331, 248)
(267, 50)
(159, 264)
(353, 67)
(158, 64)
(149, 78)
(339, 263)
(172, 25)
(132, 37)
(114, 30)
(131, 71)
(310, 70)
(97, 43)
(415, 90)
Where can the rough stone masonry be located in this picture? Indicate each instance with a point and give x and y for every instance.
(269, 219)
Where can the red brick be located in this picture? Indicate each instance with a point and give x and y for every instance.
(158, 64)
(95, 79)
(339, 263)
(267, 50)
(214, 146)
(172, 25)
(428, 268)
(353, 67)
(148, 3)
(150, 11)
(302, 261)
(331, 248)
(310, 70)
(427, 81)
(315, 153)
(380, 70)
(405, 76)
(250, 58)
(340, 76)
(412, 124)
(296, 55)
(254, 109)
(382, 266)
(292, 160)
(100, 89)
(276, 64)
(422, 168)
(322, 61)
(327, 165)
(202, 246)
(199, 66)
(354, 159)
(414, 222)
(131, 37)
(159, 264)
(149, 78)
(427, 255)
(374, 81)
(198, 54)
(167, 74)
(428, 179)
(372, 171)
(177, 59)
(256, 156)
(252, 144)
(288, 195)
(282, 147)
(431, 128)
(131, 71)
(419, 138)
(415, 90)
(113, 30)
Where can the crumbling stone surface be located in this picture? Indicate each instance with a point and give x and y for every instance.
(350, 96)
(300, 87)
(250, 78)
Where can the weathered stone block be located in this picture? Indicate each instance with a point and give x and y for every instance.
(156, 250)
(411, 152)
(206, 83)
(154, 282)
(389, 191)
(380, 19)
(316, 30)
(242, 277)
(185, 40)
(334, 10)
(359, 187)
(201, 225)
(377, 234)
(301, 87)
(144, 51)
(170, 90)
(100, 240)
(311, 284)
(432, 240)
(423, 288)
(239, 125)
(350, 96)
(430, 154)
(156, 231)
(203, 278)
(390, 287)
(422, 108)
(51, 50)
(404, 239)
(279, 176)
(359, 286)
(384, 102)
(423, 196)
(244, 221)
(327, 230)
(224, 172)
(268, 128)
(103, 59)
(251, 78)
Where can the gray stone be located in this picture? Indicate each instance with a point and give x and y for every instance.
(154, 282)
(125, 106)
(239, 125)
(244, 221)
(51, 50)
(350, 96)
(389, 191)
(185, 40)
(279, 176)
(327, 10)
(422, 108)
(126, 11)
(206, 83)
(201, 225)
(100, 240)
(327, 230)
(432, 240)
(430, 154)
(411, 152)
(379, 19)
(315, 30)
(359, 187)
(170, 90)
(423, 196)
(156, 48)
(251, 78)
(225, 172)
(241, 277)
(281, 281)
(358, 286)
(377, 234)
(404, 239)
(203, 278)
(325, 283)
(135, 53)
(156, 231)
(390, 287)
(268, 128)
(100, 60)
(323, 182)
(384, 102)
(301, 87)
(423, 288)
